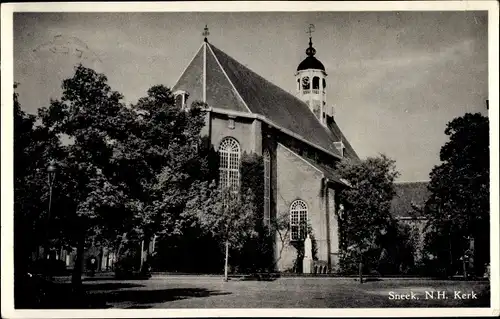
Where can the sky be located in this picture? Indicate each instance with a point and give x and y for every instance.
(395, 78)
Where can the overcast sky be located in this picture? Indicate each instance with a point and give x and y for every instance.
(395, 78)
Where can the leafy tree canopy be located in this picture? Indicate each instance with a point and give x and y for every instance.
(366, 205)
(458, 206)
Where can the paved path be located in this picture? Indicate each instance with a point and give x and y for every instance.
(212, 292)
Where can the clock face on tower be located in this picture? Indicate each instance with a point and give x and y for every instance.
(305, 83)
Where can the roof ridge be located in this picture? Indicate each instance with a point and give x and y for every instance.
(227, 77)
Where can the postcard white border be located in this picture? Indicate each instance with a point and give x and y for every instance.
(7, 11)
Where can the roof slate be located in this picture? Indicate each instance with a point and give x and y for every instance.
(230, 85)
(348, 151)
(329, 173)
(191, 79)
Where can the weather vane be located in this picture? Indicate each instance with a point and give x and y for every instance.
(206, 33)
(310, 29)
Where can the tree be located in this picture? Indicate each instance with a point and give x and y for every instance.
(91, 116)
(228, 215)
(365, 212)
(114, 204)
(169, 156)
(104, 200)
(458, 206)
(34, 147)
(257, 253)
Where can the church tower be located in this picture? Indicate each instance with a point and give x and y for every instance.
(311, 83)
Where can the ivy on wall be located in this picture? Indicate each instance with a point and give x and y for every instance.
(257, 254)
(252, 176)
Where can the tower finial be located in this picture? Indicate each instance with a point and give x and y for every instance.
(310, 51)
(205, 33)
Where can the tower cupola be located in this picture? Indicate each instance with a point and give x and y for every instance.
(311, 82)
(310, 62)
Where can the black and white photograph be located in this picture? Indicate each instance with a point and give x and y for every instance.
(267, 156)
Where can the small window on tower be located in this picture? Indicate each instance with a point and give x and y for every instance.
(315, 83)
(298, 84)
(306, 85)
(324, 84)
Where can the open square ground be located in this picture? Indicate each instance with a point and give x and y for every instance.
(213, 292)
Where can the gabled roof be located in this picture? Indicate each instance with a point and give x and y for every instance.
(230, 85)
(326, 171)
(329, 173)
(409, 195)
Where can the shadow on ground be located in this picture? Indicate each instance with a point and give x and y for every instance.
(103, 295)
(258, 277)
(142, 298)
(110, 286)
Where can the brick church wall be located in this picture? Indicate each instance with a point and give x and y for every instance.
(291, 178)
(333, 230)
(296, 179)
(246, 131)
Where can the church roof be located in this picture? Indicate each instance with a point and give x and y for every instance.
(348, 151)
(410, 198)
(329, 173)
(223, 82)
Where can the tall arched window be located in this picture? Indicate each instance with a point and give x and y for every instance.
(229, 168)
(267, 187)
(298, 220)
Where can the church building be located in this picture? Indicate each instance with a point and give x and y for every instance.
(296, 134)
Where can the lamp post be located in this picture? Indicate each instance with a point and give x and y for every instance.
(51, 176)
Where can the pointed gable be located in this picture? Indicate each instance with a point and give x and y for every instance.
(191, 79)
(220, 91)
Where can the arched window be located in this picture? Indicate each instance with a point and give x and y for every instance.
(315, 83)
(324, 84)
(229, 168)
(267, 187)
(298, 84)
(298, 220)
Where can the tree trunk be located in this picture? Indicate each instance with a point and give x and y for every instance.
(360, 270)
(47, 227)
(464, 267)
(142, 256)
(226, 260)
(450, 267)
(120, 246)
(76, 278)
